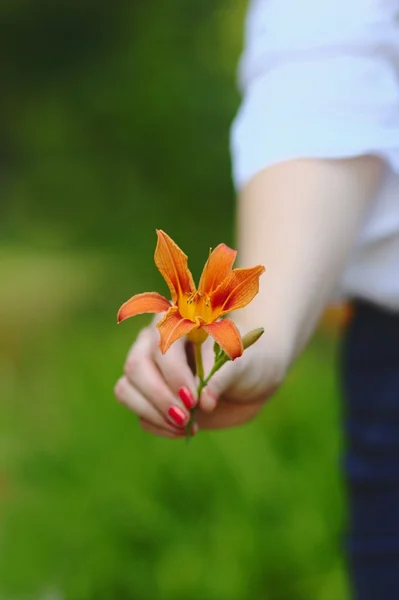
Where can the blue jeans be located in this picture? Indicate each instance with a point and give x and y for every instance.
(370, 378)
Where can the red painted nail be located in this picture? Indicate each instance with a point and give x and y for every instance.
(177, 415)
(186, 397)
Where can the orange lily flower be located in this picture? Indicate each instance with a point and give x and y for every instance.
(195, 312)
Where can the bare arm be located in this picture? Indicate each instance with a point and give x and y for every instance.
(299, 219)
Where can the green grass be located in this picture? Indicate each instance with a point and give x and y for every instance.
(95, 508)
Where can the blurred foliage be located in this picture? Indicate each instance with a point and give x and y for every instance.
(115, 122)
(99, 510)
(113, 108)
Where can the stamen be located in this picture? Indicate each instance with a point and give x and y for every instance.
(192, 296)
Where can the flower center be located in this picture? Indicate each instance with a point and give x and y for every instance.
(195, 305)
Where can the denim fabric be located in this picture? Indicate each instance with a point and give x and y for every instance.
(370, 378)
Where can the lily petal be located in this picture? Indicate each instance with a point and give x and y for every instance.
(172, 264)
(150, 302)
(172, 327)
(226, 334)
(217, 268)
(237, 290)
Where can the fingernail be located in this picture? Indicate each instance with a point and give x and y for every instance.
(210, 400)
(177, 415)
(212, 395)
(186, 397)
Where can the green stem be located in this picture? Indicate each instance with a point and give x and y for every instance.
(199, 367)
(203, 381)
(215, 368)
(221, 359)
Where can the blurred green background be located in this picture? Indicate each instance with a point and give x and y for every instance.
(115, 121)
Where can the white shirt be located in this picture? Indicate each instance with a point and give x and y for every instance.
(320, 78)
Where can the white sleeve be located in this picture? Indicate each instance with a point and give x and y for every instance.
(320, 83)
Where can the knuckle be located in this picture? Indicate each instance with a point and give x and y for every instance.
(174, 373)
(144, 335)
(132, 365)
(156, 389)
(140, 352)
(161, 397)
(120, 389)
(173, 383)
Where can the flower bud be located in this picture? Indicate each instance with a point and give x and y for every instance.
(251, 337)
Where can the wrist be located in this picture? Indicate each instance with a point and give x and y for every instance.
(273, 353)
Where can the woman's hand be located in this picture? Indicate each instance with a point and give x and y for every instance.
(300, 219)
(161, 389)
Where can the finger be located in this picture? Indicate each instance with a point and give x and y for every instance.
(165, 432)
(144, 375)
(133, 399)
(228, 415)
(161, 431)
(176, 372)
(209, 400)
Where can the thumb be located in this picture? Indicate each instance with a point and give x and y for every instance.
(220, 383)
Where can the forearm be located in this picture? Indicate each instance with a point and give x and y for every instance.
(300, 219)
